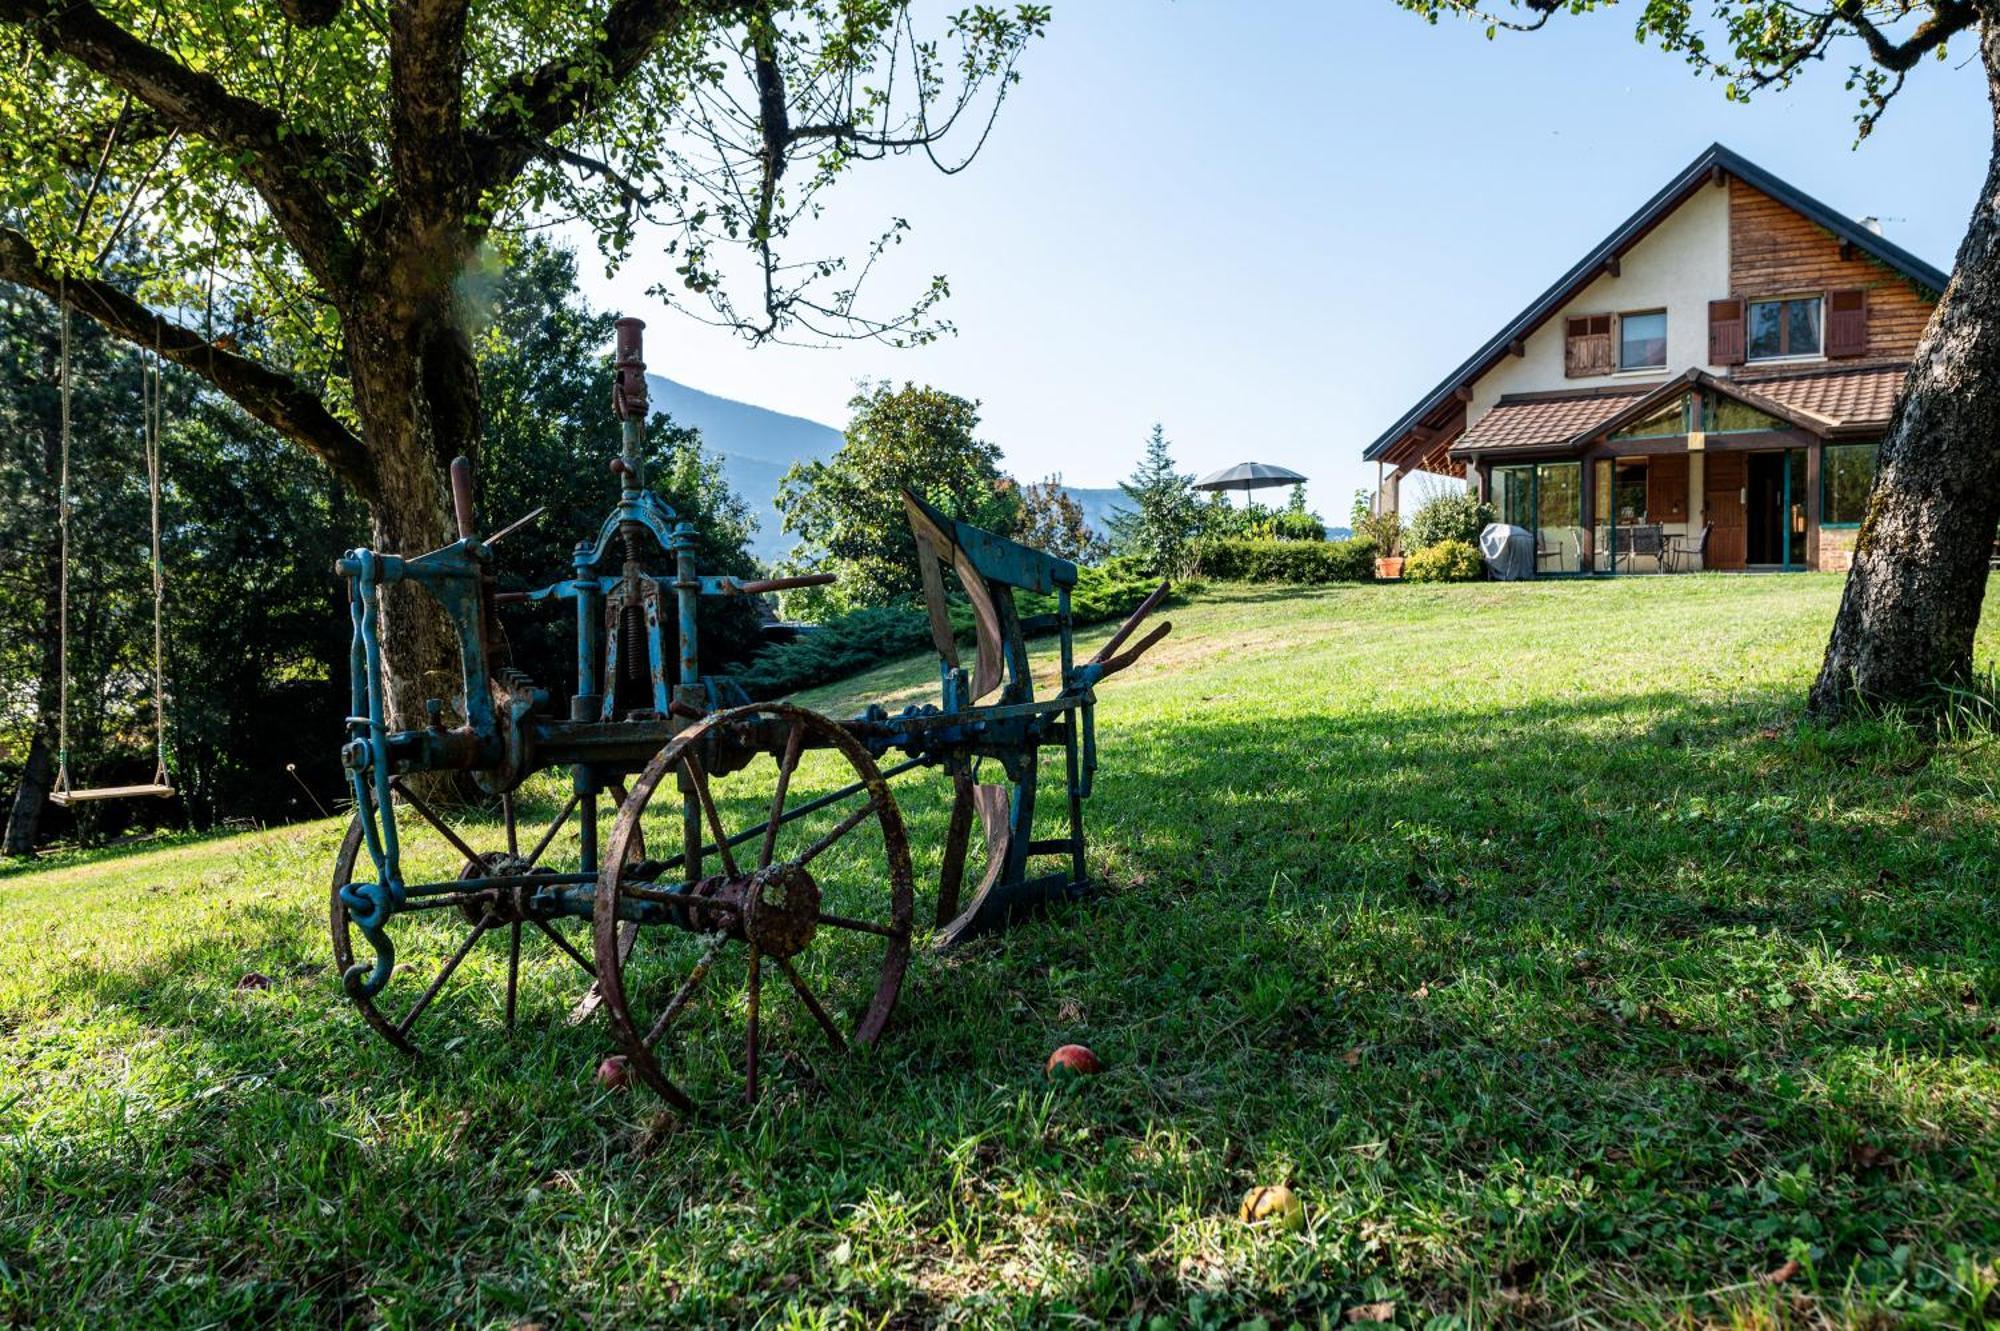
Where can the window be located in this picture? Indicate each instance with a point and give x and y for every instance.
(1726, 414)
(1629, 492)
(1781, 328)
(1642, 341)
(1587, 347)
(1667, 422)
(1847, 473)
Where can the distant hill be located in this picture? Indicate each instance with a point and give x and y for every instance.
(757, 446)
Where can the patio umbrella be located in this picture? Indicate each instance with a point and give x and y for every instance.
(1249, 476)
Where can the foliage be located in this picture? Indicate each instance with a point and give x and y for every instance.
(862, 639)
(549, 438)
(1303, 563)
(1052, 521)
(1164, 519)
(1752, 45)
(265, 153)
(1624, 956)
(1449, 560)
(1456, 516)
(848, 510)
(1383, 530)
(253, 628)
(842, 646)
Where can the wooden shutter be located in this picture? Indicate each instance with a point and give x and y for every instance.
(1846, 323)
(1587, 348)
(1725, 332)
(1667, 488)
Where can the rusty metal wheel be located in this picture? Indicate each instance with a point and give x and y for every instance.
(443, 979)
(804, 895)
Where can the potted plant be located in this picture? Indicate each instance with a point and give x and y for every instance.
(1386, 531)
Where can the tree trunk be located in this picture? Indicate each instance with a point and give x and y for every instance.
(417, 391)
(1920, 560)
(30, 797)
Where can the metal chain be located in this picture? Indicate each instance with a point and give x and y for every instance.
(62, 565)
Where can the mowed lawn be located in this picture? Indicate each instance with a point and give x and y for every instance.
(1527, 932)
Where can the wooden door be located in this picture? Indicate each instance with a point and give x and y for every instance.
(1723, 479)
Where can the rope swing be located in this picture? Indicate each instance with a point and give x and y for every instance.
(152, 410)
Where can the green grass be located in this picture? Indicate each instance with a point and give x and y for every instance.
(1524, 930)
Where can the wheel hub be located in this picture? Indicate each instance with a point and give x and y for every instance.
(505, 905)
(780, 910)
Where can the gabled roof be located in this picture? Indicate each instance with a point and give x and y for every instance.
(1716, 159)
(1522, 421)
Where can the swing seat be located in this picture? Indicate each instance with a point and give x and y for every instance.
(152, 788)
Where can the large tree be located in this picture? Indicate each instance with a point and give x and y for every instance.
(327, 173)
(1912, 602)
(848, 510)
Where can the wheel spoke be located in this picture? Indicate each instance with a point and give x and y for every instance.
(685, 994)
(478, 930)
(564, 944)
(863, 926)
(812, 1004)
(755, 992)
(513, 830)
(841, 829)
(794, 742)
(535, 855)
(513, 967)
(699, 779)
(476, 861)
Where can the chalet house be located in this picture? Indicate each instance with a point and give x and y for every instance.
(1706, 388)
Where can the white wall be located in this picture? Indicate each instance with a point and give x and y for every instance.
(1681, 265)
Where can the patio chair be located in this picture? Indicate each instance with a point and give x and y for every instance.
(1545, 549)
(1685, 553)
(1643, 541)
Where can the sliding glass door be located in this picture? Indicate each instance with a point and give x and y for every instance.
(1547, 499)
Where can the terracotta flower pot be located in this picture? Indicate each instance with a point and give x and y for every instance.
(1389, 569)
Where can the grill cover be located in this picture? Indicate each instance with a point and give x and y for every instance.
(1509, 551)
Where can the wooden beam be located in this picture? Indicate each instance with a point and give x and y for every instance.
(1517, 348)
(1611, 266)
(1463, 392)
(1717, 176)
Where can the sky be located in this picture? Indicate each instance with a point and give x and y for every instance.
(1271, 226)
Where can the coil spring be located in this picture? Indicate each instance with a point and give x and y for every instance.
(632, 642)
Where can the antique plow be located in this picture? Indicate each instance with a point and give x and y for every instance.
(718, 885)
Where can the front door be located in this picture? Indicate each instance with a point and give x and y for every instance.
(1724, 478)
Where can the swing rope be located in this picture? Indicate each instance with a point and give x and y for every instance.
(152, 399)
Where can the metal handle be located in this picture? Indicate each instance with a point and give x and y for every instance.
(461, 497)
(759, 587)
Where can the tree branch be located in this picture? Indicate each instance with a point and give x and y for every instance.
(290, 168)
(269, 395)
(1948, 19)
(535, 104)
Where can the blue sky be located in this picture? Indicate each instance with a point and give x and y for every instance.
(1271, 226)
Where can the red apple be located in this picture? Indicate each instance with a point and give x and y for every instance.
(1073, 1060)
(614, 1073)
(253, 980)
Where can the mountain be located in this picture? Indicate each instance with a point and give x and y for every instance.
(757, 446)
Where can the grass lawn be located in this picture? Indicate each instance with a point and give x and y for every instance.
(1524, 930)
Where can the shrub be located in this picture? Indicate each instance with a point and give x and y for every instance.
(1288, 525)
(1306, 563)
(1383, 530)
(1450, 517)
(1446, 561)
(861, 639)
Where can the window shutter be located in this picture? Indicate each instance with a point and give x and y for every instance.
(1846, 323)
(1725, 332)
(1587, 346)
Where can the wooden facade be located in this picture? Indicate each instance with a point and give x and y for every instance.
(1774, 251)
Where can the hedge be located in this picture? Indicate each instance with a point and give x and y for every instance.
(1302, 562)
(1445, 561)
(861, 639)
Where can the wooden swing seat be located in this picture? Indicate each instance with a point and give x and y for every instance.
(152, 788)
